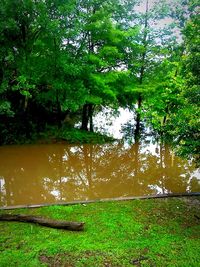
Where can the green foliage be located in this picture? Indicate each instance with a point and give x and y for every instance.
(186, 122)
(172, 101)
(57, 58)
(162, 100)
(5, 108)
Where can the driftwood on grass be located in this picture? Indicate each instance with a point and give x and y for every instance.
(73, 226)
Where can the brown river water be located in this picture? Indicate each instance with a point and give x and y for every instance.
(38, 174)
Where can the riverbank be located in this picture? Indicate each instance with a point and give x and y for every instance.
(53, 134)
(71, 136)
(154, 232)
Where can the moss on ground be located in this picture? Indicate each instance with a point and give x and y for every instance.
(159, 232)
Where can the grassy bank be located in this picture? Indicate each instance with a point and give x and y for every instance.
(72, 136)
(53, 134)
(156, 232)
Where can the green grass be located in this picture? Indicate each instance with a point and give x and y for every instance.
(162, 232)
(72, 136)
(53, 134)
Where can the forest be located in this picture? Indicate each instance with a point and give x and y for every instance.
(62, 59)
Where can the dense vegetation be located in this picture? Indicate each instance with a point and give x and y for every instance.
(62, 59)
(162, 232)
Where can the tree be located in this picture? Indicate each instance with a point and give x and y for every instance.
(100, 42)
(19, 31)
(151, 46)
(173, 108)
(186, 122)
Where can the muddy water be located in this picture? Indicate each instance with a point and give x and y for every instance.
(36, 174)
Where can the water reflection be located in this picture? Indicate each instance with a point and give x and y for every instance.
(113, 122)
(55, 173)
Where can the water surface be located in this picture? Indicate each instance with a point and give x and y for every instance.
(35, 174)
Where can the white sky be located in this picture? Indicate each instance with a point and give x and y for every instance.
(141, 7)
(111, 123)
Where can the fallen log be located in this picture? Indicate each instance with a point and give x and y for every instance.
(72, 226)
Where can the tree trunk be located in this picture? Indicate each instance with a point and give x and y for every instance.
(90, 113)
(137, 127)
(85, 118)
(73, 226)
(59, 112)
(142, 70)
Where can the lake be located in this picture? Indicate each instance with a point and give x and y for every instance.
(52, 173)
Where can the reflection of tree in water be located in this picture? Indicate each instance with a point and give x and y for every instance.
(22, 169)
(51, 173)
